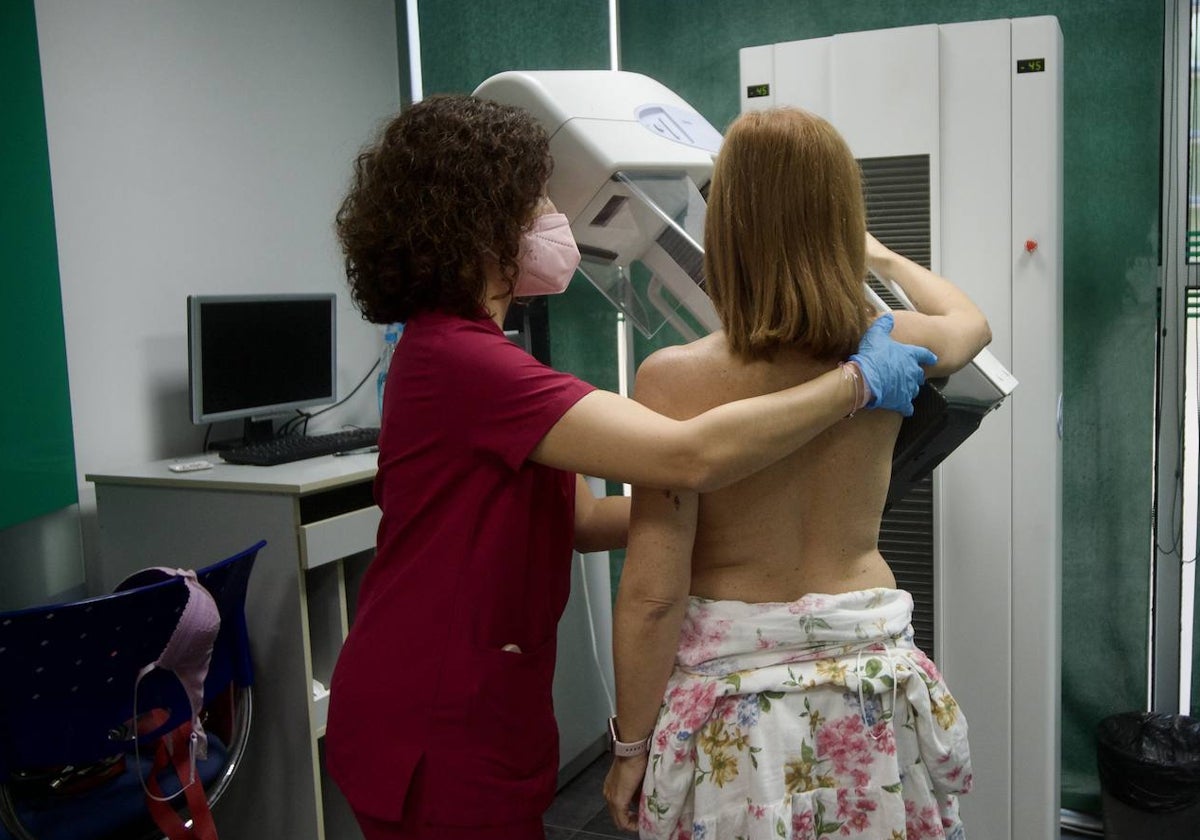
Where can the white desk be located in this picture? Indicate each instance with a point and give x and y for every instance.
(319, 521)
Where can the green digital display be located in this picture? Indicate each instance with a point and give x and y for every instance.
(753, 91)
(1031, 65)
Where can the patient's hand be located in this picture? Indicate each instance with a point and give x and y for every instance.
(622, 790)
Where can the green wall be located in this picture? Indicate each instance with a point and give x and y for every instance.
(464, 43)
(1112, 101)
(37, 455)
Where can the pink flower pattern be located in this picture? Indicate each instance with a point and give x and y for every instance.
(922, 823)
(778, 722)
(854, 808)
(802, 824)
(691, 703)
(844, 742)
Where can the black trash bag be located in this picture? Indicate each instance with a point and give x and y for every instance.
(1149, 761)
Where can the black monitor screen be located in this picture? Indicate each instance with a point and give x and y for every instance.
(257, 355)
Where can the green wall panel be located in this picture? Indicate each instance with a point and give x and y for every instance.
(464, 43)
(37, 456)
(1112, 95)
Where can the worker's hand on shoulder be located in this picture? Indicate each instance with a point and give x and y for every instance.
(892, 370)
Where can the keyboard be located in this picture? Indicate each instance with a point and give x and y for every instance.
(283, 450)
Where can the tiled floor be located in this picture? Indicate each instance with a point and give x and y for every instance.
(579, 812)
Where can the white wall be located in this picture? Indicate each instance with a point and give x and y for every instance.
(199, 147)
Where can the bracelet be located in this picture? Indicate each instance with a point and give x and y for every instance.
(853, 374)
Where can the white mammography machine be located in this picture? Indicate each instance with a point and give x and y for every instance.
(632, 163)
(630, 158)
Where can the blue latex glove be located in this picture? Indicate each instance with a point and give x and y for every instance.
(892, 370)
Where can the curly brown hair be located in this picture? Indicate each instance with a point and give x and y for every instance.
(451, 181)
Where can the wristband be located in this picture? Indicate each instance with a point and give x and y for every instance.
(862, 394)
(625, 749)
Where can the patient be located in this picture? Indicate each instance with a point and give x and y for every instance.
(762, 650)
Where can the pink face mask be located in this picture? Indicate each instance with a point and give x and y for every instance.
(548, 257)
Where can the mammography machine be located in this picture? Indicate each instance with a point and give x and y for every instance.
(632, 162)
(977, 541)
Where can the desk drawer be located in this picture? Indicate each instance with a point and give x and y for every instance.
(338, 536)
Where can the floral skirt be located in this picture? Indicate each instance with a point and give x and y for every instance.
(810, 719)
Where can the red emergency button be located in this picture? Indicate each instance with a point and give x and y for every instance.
(1030, 246)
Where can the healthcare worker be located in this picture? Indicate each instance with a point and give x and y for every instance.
(441, 722)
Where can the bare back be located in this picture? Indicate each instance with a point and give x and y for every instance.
(808, 523)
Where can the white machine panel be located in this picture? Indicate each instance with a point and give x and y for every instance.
(630, 160)
(983, 101)
(589, 117)
(1036, 246)
(974, 548)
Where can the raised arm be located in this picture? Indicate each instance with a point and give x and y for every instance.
(946, 321)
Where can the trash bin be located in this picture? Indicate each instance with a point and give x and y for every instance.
(1149, 776)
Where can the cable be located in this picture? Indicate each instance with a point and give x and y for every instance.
(587, 603)
(286, 428)
(302, 417)
(1170, 343)
(354, 391)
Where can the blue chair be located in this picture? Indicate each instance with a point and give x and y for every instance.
(68, 769)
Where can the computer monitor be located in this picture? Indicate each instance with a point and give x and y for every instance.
(255, 356)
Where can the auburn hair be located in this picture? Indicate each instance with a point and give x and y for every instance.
(784, 237)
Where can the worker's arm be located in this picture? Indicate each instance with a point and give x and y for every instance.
(601, 524)
(622, 440)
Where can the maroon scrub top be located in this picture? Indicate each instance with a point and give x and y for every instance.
(473, 553)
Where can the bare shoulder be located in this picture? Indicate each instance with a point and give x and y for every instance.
(669, 379)
(691, 359)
